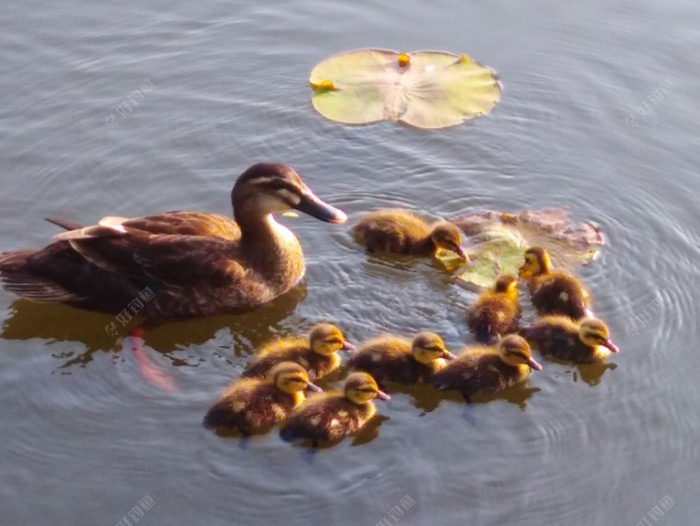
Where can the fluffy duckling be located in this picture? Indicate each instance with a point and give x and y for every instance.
(251, 404)
(395, 359)
(496, 312)
(318, 353)
(402, 232)
(587, 341)
(332, 416)
(488, 369)
(553, 292)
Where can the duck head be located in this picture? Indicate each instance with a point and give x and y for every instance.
(447, 236)
(361, 388)
(428, 347)
(327, 339)
(593, 332)
(291, 378)
(268, 188)
(536, 262)
(514, 350)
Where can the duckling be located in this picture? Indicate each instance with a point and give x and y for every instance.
(402, 232)
(488, 369)
(395, 359)
(251, 404)
(192, 264)
(496, 312)
(554, 292)
(560, 337)
(318, 354)
(331, 416)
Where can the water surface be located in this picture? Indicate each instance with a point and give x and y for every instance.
(85, 438)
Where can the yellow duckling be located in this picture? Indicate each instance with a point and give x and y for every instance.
(395, 359)
(402, 232)
(252, 404)
(318, 353)
(190, 263)
(488, 369)
(496, 312)
(587, 341)
(554, 292)
(332, 416)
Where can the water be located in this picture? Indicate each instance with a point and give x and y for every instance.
(85, 438)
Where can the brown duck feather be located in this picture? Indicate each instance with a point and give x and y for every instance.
(198, 264)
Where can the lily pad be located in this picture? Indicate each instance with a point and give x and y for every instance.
(426, 89)
(498, 240)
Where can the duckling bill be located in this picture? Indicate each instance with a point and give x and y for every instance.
(399, 231)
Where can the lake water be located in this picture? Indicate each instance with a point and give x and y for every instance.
(85, 439)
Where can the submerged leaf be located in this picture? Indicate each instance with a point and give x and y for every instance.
(426, 89)
(498, 241)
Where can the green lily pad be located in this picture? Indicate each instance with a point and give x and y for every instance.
(426, 89)
(497, 241)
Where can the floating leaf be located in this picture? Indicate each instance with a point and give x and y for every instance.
(498, 241)
(426, 89)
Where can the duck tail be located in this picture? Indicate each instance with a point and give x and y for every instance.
(482, 327)
(64, 223)
(16, 277)
(220, 414)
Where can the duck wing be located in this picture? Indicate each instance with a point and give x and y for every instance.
(180, 260)
(186, 223)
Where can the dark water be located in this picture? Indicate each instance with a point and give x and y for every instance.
(85, 438)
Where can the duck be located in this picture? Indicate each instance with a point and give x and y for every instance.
(334, 415)
(181, 264)
(482, 369)
(392, 358)
(496, 312)
(398, 231)
(318, 353)
(553, 292)
(253, 404)
(560, 337)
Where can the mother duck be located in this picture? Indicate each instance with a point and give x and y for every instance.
(191, 264)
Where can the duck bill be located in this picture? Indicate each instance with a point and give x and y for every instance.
(347, 346)
(523, 273)
(611, 345)
(534, 364)
(383, 396)
(312, 205)
(461, 253)
(310, 386)
(447, 355)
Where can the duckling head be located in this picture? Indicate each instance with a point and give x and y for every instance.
(327, 339)
(536, 262)
(291, 378)
(269, 188)
(593, 332)
(508, 285)
(447, 236)
(514, 350)
(361, 388)
(428, 347)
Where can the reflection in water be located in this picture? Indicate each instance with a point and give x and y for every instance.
(56, 322)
